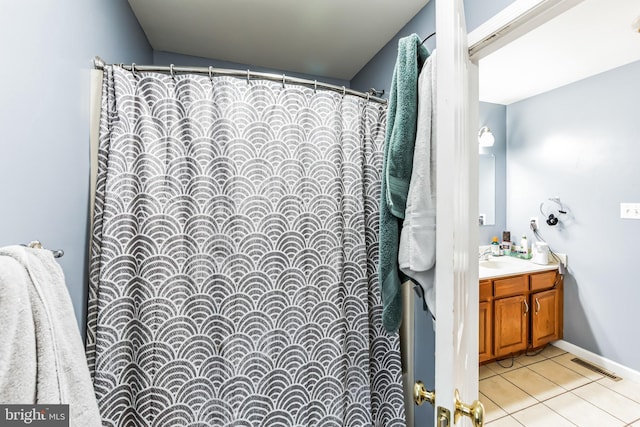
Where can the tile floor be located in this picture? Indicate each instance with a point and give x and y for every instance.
(549, 390)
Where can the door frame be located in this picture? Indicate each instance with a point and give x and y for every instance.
(512, 22)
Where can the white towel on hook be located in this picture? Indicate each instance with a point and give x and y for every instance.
(42, 359)
(417, 250)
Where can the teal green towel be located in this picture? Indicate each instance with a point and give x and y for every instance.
(400, 139)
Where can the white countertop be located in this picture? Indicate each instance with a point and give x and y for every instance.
(508, 266)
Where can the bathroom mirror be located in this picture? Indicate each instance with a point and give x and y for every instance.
(487, 189)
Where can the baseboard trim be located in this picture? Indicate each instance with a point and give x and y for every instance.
(615, 367)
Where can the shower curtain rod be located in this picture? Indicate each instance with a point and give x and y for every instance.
(99, 64)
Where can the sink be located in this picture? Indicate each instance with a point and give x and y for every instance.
(507, 265)
(506, 262)
(492, 264)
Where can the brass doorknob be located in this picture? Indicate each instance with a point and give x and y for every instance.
(421, 394)
(475, 411)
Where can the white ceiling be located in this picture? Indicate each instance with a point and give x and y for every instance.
(329, 38)
(592, 37)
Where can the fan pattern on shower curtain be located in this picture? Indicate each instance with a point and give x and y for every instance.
(233, 271)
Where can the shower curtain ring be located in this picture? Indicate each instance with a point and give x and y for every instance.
(248, 76)
(210, 72)
(368, 96)
(283, 80)
(315, 86)
(173, 75)
(344, 91)
(133, 69)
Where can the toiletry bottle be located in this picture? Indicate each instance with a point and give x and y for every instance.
(506, 243)
(495, 247)
(524, 246)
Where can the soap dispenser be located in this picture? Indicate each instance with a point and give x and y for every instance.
(495, 247)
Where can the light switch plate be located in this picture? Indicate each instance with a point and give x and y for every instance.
(630, 210)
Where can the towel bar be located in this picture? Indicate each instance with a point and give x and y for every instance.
(57, 253)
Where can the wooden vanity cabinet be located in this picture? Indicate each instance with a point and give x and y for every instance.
(485, 342)
(511, 325)
(546, 309)
(519, 312)
(511, 314)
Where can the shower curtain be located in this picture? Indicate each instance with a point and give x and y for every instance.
(234, 251)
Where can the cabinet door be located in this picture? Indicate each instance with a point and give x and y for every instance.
(486, 332)
(546, 318)
(511, 319)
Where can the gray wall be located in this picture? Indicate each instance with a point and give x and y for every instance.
(47, 49)
(580, 143)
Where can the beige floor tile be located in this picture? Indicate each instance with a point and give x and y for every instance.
(485, 372)
(506, 395)
(615, 404)
(582, 413)
(565, 360)
(559, 374)
(552, 351)
(504, 422)
(526, 360)
(503, 366)
(541, 415)
(533, 383)
(628, 388)
(491, 410)
(594, 400)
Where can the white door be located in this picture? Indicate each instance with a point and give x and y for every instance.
(456, 342)
(456, 361)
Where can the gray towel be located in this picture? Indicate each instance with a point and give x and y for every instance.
(42, 358)
(417, 252)
(396, 171)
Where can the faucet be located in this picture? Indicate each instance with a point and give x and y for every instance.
(485, 255)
